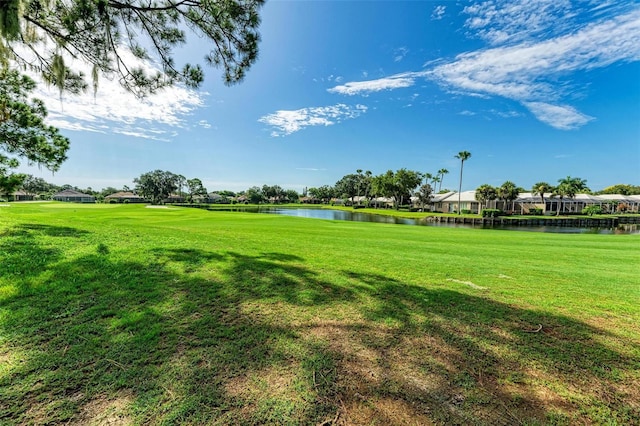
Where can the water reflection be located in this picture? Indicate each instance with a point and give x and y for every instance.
(356, 216)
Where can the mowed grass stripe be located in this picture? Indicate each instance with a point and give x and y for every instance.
(165, 316)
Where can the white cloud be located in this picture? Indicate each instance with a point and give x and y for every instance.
(287, 122)
(521, 69)
(529, 72)
(467, 113)
(204, 123)
(438, 12)
(114, 107)
(399, 54)
(386, 83)
(505, 114)
(501, 21)
(559, 116)
(310, 169)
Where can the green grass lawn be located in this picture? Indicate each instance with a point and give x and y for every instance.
(123, 314)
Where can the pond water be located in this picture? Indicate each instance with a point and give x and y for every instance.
(356, 216)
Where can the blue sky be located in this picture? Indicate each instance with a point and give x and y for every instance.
(535, 89)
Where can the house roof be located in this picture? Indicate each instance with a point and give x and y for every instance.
(614, 197)
(123, 194)
(71, 193)
(465, 197)
(437, 198)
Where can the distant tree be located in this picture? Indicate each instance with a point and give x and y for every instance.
(486, 193)
(365, 185)
(462, 156)
(314, 192)
(23, 132)
(327, 192)
(181, 183)
(89, 190)
(396, 185)
(324, 193)
(428, 177)
(108, 191)
(441, 173)
(623, 189)
(291, 196)
(156, 185)
(254, 195)
(508, 192)
(407, 181)
(100, 32)
(436, 180)
(37, 185)
(424, 194)
(568, 188)
(347, 187)
(195, 189)
(273, 193)
(541, 188)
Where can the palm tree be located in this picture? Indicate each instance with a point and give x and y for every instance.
(569, 187)
(485, 193)
(508, 191)
(359, 182)
(427, 177)
(441, 173)
(435, 181)
(462, 156)
(540, 189)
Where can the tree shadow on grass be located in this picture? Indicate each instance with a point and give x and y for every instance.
(147, 344)
(493, 364)
(27, 229)
(256, 343)
(23, 254)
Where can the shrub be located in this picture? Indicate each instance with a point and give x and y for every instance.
(535, 212)
(112, 201)
(126, 201)
(465, 211)
(591, 210)
(492, 212)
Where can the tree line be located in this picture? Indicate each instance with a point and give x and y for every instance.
(360, 189)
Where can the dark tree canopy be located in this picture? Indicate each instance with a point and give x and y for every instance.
(397, 185)
(23, 132)
(40, 34)
(156, 185)
(196, 189)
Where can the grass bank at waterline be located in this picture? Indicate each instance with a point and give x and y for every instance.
(136, 315)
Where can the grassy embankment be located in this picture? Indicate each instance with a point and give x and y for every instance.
(121, 313)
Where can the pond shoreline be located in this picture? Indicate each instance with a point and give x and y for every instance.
(610, 225)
